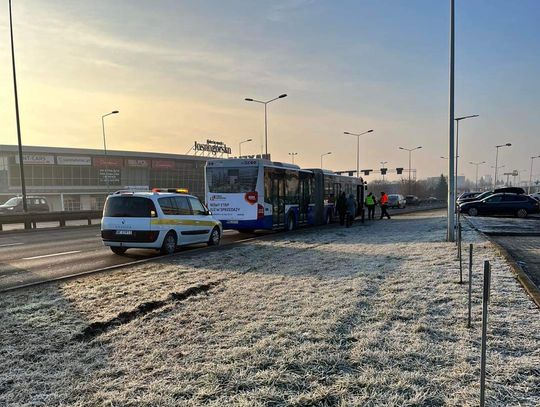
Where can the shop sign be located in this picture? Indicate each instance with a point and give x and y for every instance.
(213, 147)
(73, 160)
(36, 159)
(107, 162)
(137, 163)
(110, 176)
(163, 164)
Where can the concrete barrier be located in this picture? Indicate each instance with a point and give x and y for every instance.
(31, 219)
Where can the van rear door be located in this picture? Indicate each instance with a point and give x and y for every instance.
(127, 218)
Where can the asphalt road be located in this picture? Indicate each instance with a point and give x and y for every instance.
(28, 257)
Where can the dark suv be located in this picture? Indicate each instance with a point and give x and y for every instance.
(34, 203)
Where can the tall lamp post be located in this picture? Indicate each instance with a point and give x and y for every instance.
(531, 174)
(17, 117)
(240, 146)
(357, 135)
(450, 232)
(383, 163)
(322, 155)
(497, 162)
(265, 103)
(292, 156)
(477, 165)
(105, 147)
(458, 119)
(410, 150)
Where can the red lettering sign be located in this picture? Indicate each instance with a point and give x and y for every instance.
(163, 164)
(107, 162)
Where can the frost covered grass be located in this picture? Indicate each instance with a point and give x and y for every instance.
(371, 315)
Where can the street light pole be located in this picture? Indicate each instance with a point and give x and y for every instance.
(265, 103)
(410, 150)
(530, 174)
(322, 155)
(240, 146)
(497, 161)
(458, 119)
(292, 156)
(451, 192)
(477, 164)
(105, 148)
(357, 135)
(17, 117)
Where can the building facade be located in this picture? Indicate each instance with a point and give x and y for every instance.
(80, 179)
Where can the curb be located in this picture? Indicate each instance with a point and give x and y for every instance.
(530, 288)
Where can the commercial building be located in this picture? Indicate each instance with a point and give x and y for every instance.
(79, 179)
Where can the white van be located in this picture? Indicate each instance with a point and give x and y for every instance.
(157, 220)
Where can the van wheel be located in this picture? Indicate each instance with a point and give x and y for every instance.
(473, 212)
(169, 244)
(118, 250)
(215, 237)
(290, 223)
(522, 213)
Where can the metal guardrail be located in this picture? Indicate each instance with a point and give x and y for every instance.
(31, 219)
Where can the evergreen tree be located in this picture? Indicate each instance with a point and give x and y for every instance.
(441, 192)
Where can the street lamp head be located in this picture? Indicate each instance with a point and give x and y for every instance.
(249, 139)
(508, 144)
(418, 147)
(115, 112)
(401, 148)
(346, 132)
(248, 99)
(329, 152)
(370, 131)
(282, 96)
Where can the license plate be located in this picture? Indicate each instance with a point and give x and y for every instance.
(124, 232)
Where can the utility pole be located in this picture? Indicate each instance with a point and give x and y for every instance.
(17, 117)
(451, 153)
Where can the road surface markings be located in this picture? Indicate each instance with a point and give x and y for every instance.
(10, 244)
(51, 255)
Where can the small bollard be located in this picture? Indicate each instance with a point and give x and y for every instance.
(485, 302)
(470, 283)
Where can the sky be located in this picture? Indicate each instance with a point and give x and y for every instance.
(179, 71)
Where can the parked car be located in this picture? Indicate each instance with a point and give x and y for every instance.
(536, 196)
(396, 201)
(467, 196)
(34, 204)
(512, 190)
(431, 199)
(412, 200)
(502, 204)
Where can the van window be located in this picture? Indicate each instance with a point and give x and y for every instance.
(177, 205)
(129, 207)
(197, 206)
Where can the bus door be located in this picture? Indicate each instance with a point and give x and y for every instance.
(278, 199)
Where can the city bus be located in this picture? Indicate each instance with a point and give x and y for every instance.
(249, 194)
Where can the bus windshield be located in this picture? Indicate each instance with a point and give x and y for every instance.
(231, 180)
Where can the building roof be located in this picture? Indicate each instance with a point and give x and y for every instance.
(98, 152)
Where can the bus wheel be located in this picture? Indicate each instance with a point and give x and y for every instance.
(290, 222)
(169, 244)
(118, 250)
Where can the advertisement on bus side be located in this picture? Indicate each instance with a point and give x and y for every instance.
(232, 206)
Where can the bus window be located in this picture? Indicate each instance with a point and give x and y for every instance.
(231, 180)
(291, 188)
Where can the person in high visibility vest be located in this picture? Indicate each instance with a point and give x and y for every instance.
(384, 205)
(370, 202)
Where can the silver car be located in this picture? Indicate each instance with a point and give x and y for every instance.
(396, 201)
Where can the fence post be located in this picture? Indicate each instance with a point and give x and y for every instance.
(470, 283)
(459, 255)
(485, 302)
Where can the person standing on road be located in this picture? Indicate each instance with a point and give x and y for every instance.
(370, 203)
(341, 206)
(351, 210)
(384, 205)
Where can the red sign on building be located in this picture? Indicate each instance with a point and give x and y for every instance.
(163, 164)
(107, 162)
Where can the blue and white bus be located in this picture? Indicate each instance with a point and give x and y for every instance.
(249, 194)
